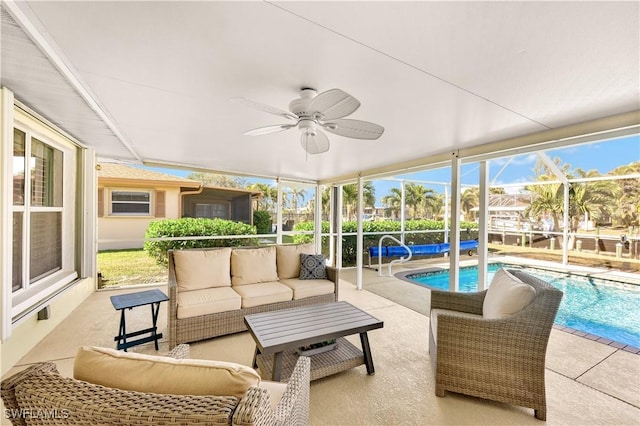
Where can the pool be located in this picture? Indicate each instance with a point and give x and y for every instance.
(608, 309)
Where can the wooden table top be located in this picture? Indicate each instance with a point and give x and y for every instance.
(289, 328)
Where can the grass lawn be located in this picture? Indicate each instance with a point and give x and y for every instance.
(129, 267)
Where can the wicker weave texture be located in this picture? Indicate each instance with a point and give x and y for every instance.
(500, 359)
(293, 408)
(40, 396)
(186, 330)
(344, 357)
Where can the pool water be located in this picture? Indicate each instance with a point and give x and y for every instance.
(607, 309)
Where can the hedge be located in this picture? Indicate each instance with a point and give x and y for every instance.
(391, 227)
(262, 221)
(192, 227)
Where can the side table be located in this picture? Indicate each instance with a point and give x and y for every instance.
(123, 302)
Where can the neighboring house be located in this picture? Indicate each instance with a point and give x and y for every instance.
(130, 198)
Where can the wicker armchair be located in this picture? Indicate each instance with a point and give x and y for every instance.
(40, 395)
(497, 359)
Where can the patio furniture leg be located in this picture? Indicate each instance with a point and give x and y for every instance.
(366, 350)
(123, 329)
(541, 413)
(277, 366)
(155, 310)
(255, 357)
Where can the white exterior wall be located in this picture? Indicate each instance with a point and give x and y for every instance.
(31, 331)
(23, 335)
(122, 232)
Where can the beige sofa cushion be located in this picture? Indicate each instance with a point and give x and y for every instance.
(164, 375)
(507, 295)
(288, 259)
(263, 293)
(198, 269)
(308, 288)
(275, 390)
(436, 312)
(207, 301)
(251, 266)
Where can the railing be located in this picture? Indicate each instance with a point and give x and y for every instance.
(401, 260)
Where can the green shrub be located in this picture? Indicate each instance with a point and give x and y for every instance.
(191, 227)
(262, 221)
(387, 227)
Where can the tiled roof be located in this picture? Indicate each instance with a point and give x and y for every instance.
(121, 171)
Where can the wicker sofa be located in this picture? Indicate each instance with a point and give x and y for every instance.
(501, 359)
(212, 289)
(40, 395)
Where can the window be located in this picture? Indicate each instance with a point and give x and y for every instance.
(131, 203)
(213, 210)
(43, 215)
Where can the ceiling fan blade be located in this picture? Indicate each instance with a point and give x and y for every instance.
(333, 104)
(315, 143)
(265, 108)
(357, 129)
(269, 129)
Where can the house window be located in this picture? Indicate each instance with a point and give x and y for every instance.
(131, 203)
(213, 210)
(43, 216)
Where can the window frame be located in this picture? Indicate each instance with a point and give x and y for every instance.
(32, 292)
(215, 203)
(151, 202)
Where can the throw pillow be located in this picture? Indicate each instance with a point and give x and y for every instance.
(507, 295)
(312, 267)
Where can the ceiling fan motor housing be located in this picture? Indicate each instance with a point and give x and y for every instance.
(300, 106)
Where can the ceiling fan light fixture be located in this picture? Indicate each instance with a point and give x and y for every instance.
(325, 110)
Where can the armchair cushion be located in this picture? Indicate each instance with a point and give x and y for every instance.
(275, 391)
(196, 270)
(251, 266)
(162, 375)
(507, 295)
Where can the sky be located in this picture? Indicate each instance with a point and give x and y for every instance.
(601, 156)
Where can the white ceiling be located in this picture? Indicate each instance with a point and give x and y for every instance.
(439, 76)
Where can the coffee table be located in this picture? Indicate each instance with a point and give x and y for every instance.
(278, 334)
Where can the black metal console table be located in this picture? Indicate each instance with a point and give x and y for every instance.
(122, 302)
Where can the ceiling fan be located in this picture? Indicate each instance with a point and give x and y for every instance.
(313, 112)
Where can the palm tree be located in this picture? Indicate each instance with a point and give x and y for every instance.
(434, 205)
(590, 199)
(269, 196)
(548, 200)
(350, 197)
(392, 202)
(414, 195)
(297, 194)
(627, 210)
(468, 200)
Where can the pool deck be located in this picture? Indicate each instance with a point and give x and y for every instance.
(588, 382)
(408, 296)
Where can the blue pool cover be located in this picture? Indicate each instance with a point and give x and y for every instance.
(420, 250)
